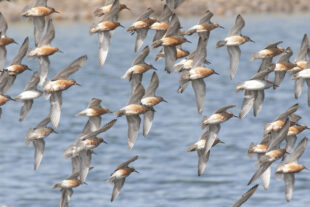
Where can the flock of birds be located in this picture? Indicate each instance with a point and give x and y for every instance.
(170, 37)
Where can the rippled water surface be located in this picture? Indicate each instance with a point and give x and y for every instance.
(168, 175)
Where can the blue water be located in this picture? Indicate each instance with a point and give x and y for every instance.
(168, 175)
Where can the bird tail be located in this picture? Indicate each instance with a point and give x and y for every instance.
(220, 43)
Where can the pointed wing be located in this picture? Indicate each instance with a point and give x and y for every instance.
(245, 196)
(3, 24)
(25, 109)
(76, 164)
(146, 14)
(165, 15)
(299, 84)
(170, 57)
(289, 180)
(247, 104)
(173, 4)
(308, 84)
(72, 68)
(288, 112)
(2, 57)
(303, 49)
(104, 44)
(234, 55)
(39, 24)
(276, 141)
(118, 184)
(32, 84)
(135, 81)
(285, 56)
(174, 26)
(266, 63)
(44, 122)
(273, 45)
(290, 142)
(223, 109)
(265, 178)
(259, 100)
(101, 130)
(125, 164)
(142, 55)
(133, 129)
(115, 8)
(205, 19)
(21, 52)
(9, 83)
(158, 35)
(211, 136)
(202, 161)
(38, 152)
(299, 150)
(236, 29)
(92, 124)
(94, 103)
(199, 87)
(262, 168)
(85, 158)
(137, 95)
(44, 64)
(150, 91)
(278, 78)
(49, 34)
(55, 108)
(147, 122)
(141, 35)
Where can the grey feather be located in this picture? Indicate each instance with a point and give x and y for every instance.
(55, 108)
(150, 91)
(236, 29)
(303, 49)
(39, 146)
(234, 55)
(170, 57)
(299, 150)
(71, 68)
(245, 196)
(104, 44)
(199, 87)
(133, 129)
(137, 95)
(44, 64)
(147, 122)
(21, 52)
(259, 100)
(25, 109)
(141, 35)
(299, 84)
(247, 104)
(49, 34)
(289, 180)
(118, 184)
(142, 55)
(39, 24)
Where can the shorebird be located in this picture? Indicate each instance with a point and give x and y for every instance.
(132, 111)
(180, 53)
(53, 88)
(66, 186)
(233, 41)
(300, 77)
(282, 66)
(44, 50)
(162, 23)
(107, 8)
(81, 151)
(119, 176)
(200, 147)
(254, 92)
(150, 100)
(169, 41)
(104, 29)
(15, 68)
(4, 40)
(30, 92)
(141, 26)
(36, 136)
(204, 26)
(212, 123)
(138, 68)
(196, 75)
(245, 196)
(290, 167)
(300, 59)
(3, 100)
(273, 153)
(38, 13)
(94, 112)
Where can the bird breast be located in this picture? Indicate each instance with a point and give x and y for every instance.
(3, 100)
(16, 69)
(134, 109)
(151, 101)
(200, 72)
(58, 85)
(172, 41)
(182, 53)
(94, 112)
(38, 12)
(70, 183)
(275, 154)
(275, 126)
(259, 148)
(139, 69)
(305, 73)
(5, 41)
(292, 168)
(91, 143)
(235, 40)
(106, 26)
(296, 129)
(160, 26)
(29, 95)
(45, 50)
(216, 118)
(141, 24)
(266, 53)
(284, 66)
(121, 173)
(256, 85)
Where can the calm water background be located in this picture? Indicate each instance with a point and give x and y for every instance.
(168, 175)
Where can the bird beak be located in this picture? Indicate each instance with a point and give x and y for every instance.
(165, 101)
(188, 41)
(136, 171)
(236, 116)
(121, 26)
(15, 42)
(29, 69)
(56, 11)
(55, 131)
(104, 141)
(154, 67)
(251, 40)
(77, 84)
(60, 51)
(216, 73)
(221, 142)
(221, 27)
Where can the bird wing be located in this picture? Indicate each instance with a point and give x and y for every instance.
(39, 24)
(32, 84)
(55, 108)
(199, 87)
(258, 102)
(142, 55)
(245, 196)
(303, 49)
(44, 64)
(247, 103)
(141, 35)
(71, 68)
(25, 109)
(147, 122)
(49, 34)
(234, 55)
(133, 129)
(118, 184)
(236, 29)
(289, 180)
(21, 52)
(125, 164)
(137, 95)
(150, 91)
(38, 152)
